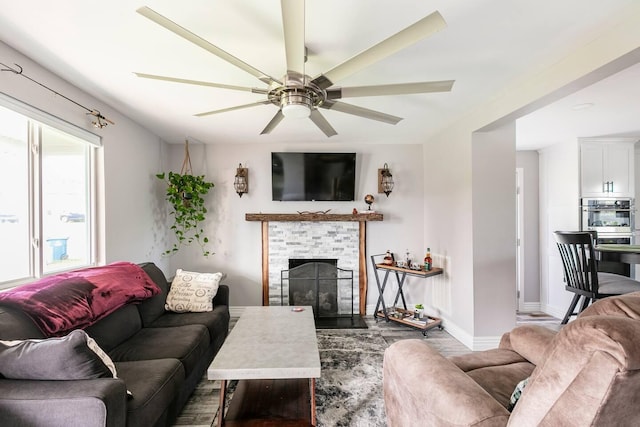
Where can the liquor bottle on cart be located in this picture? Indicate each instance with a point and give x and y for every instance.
(388, 258)
(428, 263)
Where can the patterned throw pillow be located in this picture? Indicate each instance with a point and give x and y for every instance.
(515, 396)
(192, 292)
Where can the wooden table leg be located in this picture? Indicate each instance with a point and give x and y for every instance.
(312, 386)
(223, 394)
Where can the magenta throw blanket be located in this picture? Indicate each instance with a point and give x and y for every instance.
(77, 299)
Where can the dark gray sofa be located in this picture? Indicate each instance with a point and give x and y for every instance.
(160, 357)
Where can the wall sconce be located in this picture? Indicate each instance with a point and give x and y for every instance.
(385, 180)
(241, 183)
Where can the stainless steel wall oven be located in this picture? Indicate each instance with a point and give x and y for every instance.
(608, 216)
(614, 221)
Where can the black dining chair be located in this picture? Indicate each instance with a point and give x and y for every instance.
(581, 272)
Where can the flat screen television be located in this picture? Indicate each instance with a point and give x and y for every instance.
(313, 176)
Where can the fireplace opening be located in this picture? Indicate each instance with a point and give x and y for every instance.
(314, 282)
(319, 283)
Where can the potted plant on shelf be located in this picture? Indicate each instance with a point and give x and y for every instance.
(419, 309)
(185, 193)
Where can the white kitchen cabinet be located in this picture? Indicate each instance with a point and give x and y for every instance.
(607, 168)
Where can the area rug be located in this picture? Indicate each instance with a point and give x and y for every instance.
(349, 392)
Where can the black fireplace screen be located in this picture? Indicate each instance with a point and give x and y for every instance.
(319, 284)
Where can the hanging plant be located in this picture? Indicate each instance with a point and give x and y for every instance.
(185, 193)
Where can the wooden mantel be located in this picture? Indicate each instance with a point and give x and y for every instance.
(317, 217)
(313, 217)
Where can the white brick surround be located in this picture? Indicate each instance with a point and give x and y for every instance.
(308, 240)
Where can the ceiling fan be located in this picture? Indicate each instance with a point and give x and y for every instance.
(298, 95)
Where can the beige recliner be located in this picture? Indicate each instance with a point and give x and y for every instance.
(588, 374)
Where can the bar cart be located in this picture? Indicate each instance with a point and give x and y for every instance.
(401, 314)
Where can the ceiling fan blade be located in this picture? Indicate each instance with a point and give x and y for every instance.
(360, 111)
(199, 41)
(410, 35)
(238, 107)
(275, 121)
(201, 83)
(293, 22)
(322, 123)
(392, 89)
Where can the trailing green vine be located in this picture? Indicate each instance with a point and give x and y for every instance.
(185, 194)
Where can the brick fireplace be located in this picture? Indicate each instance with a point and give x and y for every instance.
(342, 237)
(313, 241)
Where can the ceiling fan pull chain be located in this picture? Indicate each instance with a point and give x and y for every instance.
(186, 164)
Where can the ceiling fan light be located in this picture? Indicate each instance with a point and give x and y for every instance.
(296, 111)
(296, 104)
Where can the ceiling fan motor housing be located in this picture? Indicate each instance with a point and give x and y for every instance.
(297, 96)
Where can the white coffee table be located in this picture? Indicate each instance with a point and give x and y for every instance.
(273, 351)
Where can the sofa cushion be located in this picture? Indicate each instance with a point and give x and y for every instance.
(192, 292)
(500, 381)
(116, 328)
(66, 358)
(16, 325)
(496, 370)
(532, 342)
(154, 384)
(152, 308)
(216, 321)
(482, 359)
(622, 305)
(187, 343)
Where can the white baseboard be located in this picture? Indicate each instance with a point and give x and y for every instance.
(554, 311)
(530, 307)
(471, 342)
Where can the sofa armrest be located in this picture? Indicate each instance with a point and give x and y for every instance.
(98, 402)
(531, 342)
(222, 296)
(420, 384)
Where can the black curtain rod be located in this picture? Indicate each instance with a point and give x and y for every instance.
(101, 121)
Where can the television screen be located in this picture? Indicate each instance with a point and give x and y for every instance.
(313, 176)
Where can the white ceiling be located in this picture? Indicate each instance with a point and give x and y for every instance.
(488, 44)
(610, 107)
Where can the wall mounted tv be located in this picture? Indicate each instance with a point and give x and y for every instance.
(313, 176)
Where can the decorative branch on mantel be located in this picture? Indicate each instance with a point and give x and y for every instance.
(100, 121)
(313, 217)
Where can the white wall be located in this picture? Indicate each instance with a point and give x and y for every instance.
(494, 230)
(133, 224)
(237, 243)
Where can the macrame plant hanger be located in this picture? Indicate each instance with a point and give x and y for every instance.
(186, 170)
(186, 163)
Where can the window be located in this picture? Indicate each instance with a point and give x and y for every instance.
(46, 194)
